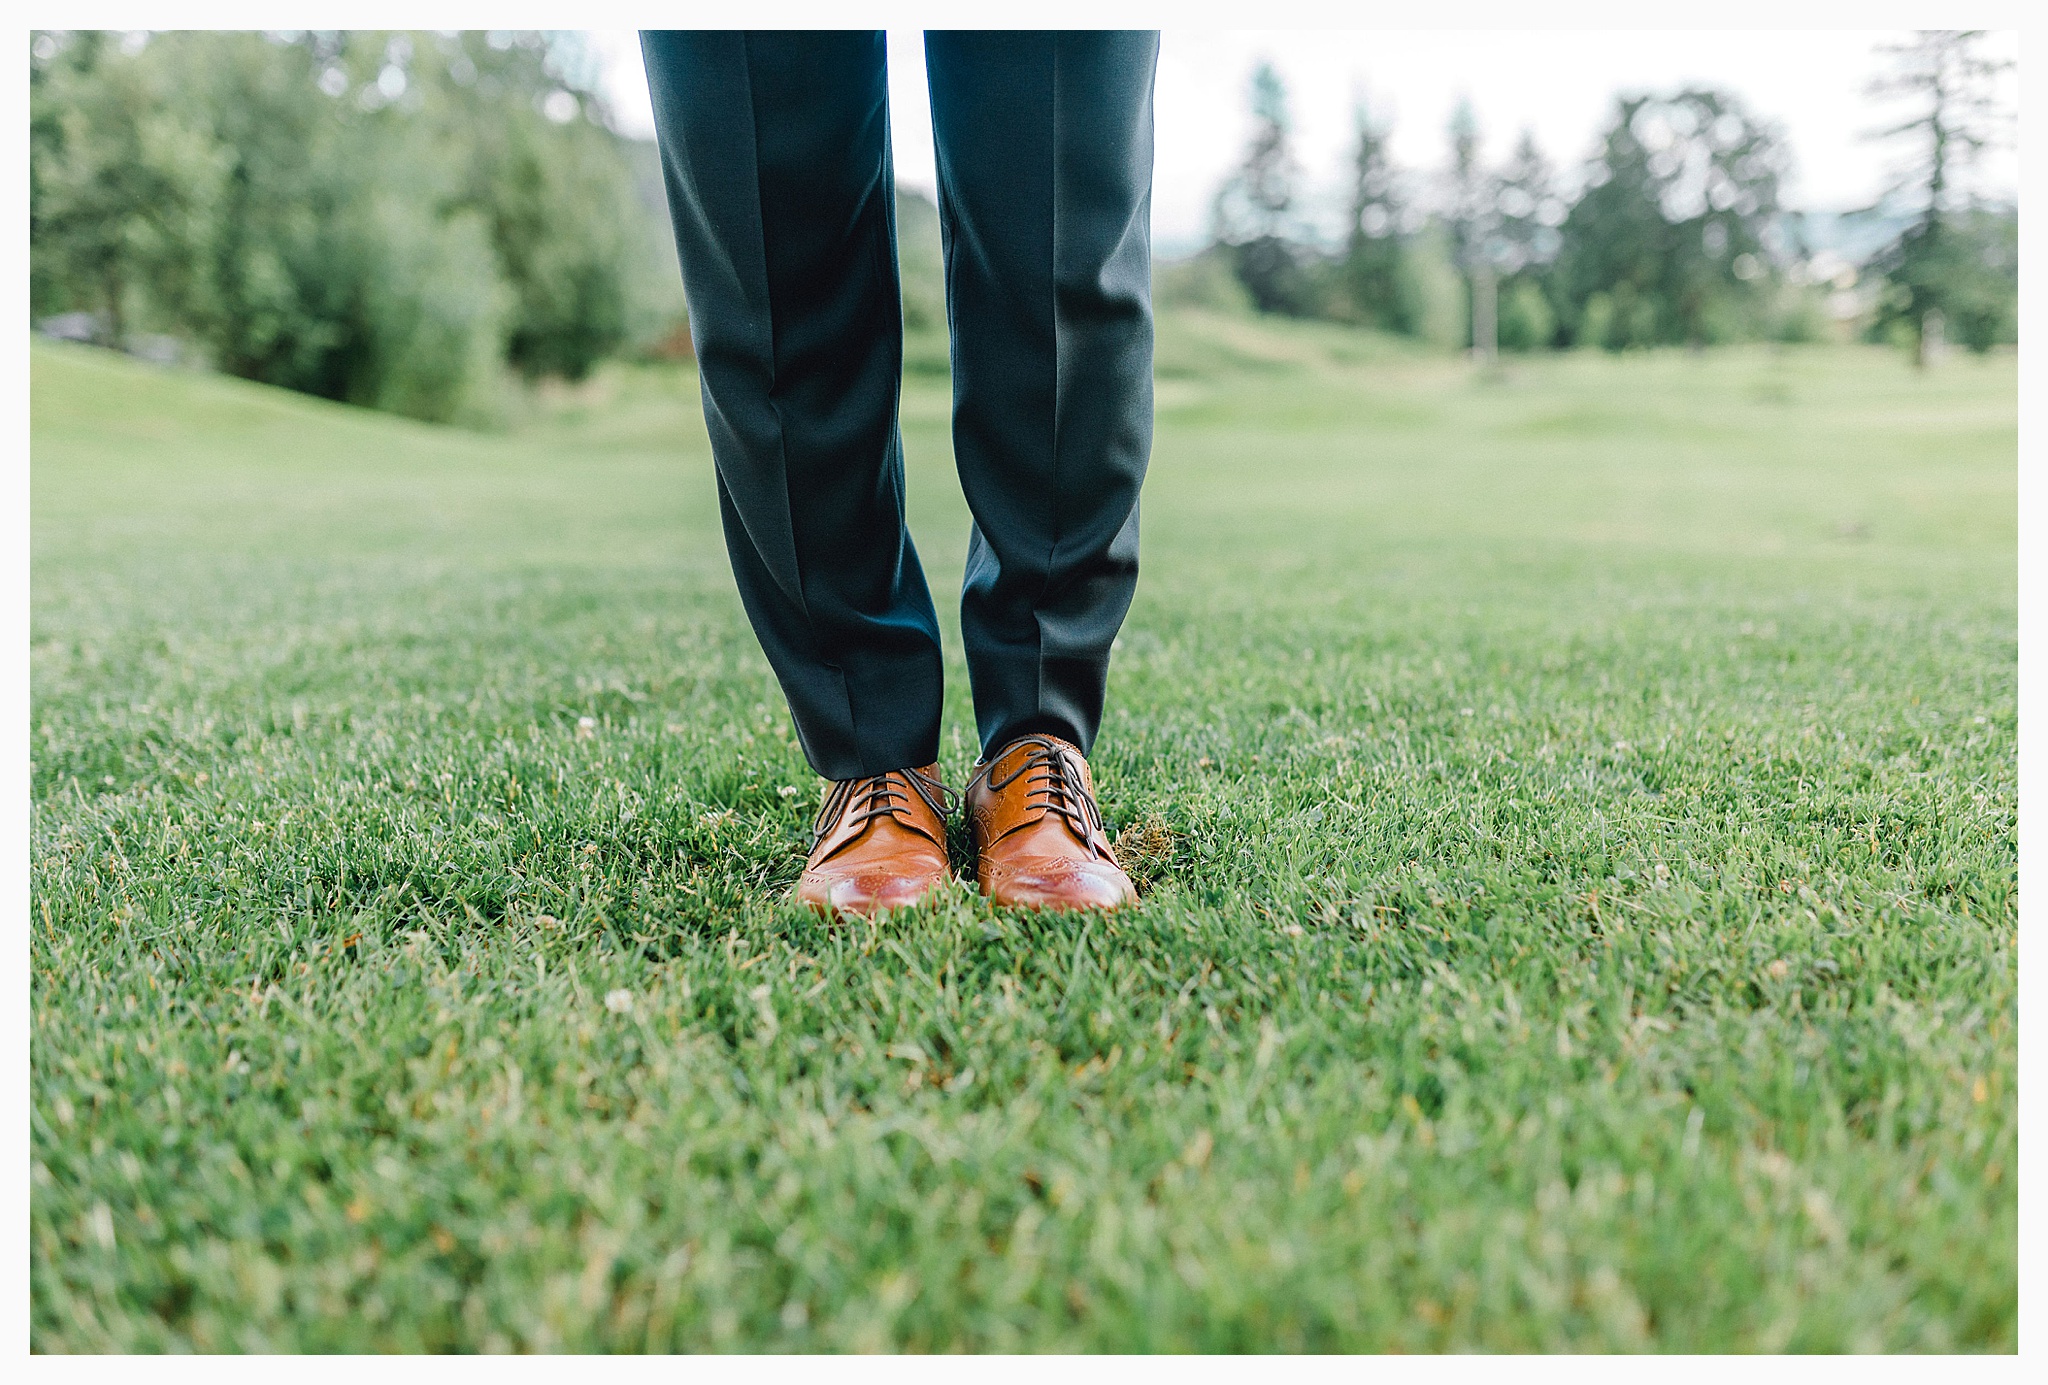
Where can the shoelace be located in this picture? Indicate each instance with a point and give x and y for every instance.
(878, 796)
(1054, 784)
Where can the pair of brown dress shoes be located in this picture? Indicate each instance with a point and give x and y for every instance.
(1039, 840)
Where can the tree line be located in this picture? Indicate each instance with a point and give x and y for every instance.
(1673, 232)
(409, 220)
(399, 220)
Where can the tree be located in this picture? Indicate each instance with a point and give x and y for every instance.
(1947, 262)
(1526, 210)
(1670, 242)
(1526, 215)
(122, 182)
(344, 262)
(1465, 203)
(1371, 270)
(552, 186)
(1467, 206)
(383, 218)
(1254, 209)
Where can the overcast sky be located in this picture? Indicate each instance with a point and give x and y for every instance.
(1559, 84)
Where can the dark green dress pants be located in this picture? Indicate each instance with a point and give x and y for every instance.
(775, 148)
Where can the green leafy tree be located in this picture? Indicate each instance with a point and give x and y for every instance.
(1432, 295)
(1670, 240)
(921, 260)
(388, 219)
(1956, 261)
(1527, 322)
(290, 253)
(123, 180)
(345, 262)
(555, 190)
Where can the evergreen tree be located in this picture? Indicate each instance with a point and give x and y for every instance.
(1526, 213)
(1466, 205)
(1526, 209)
(1371, 271)
(1949, 262)
(1467, 214)
(1669, 242)
(1254, 210)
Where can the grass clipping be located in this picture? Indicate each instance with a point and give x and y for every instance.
(1144, 849)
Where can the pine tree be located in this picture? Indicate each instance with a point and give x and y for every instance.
(1465, 211)
(1527, 209)
(1254, 209)
(1372, 251)
(1668, 242)
(1467, 216)
(1937, 268)
(1526, 213)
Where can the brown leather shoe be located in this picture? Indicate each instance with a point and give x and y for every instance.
(879, 843)
(1039, 840)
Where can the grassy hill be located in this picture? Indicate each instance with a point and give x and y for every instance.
(1577, 811)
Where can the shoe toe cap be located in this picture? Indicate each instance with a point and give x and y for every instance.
(864, 892)
(1054, 882)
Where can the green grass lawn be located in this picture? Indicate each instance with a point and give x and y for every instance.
(1577, 809)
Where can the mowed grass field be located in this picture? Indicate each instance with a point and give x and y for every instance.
(1576, 809)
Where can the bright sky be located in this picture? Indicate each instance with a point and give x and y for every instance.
(1560, 84)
